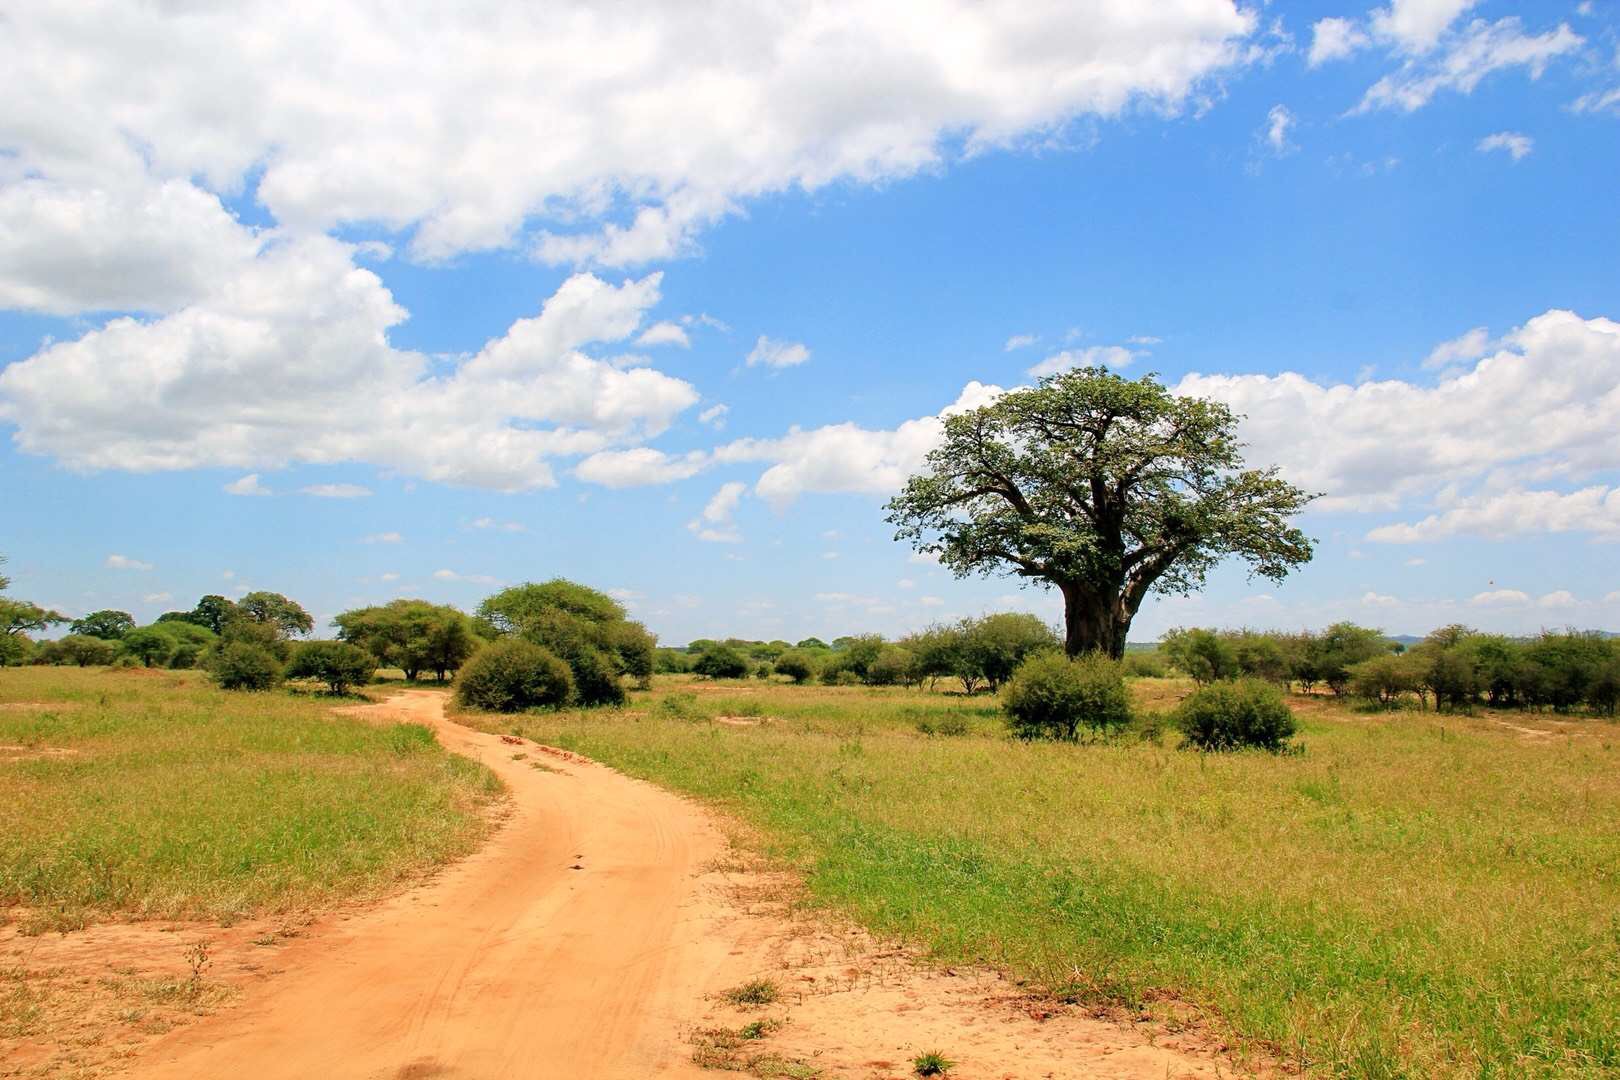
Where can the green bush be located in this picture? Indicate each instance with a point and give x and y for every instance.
(1146, 665)
(15, 649)
(151, 647)
(721, 662)
(1234, 716)
(514, 675)
(338, 664)
(796, 664)
(81, 649)
(185, 656)
(1053, 697)
(894, 666)
(242, 665)
(596, 678)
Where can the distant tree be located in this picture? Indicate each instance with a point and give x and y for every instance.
(78, 649)
(107, 625)
(1386, 679)
(412, 635)
(15, 649)
(1339, 648)
(938, 652)
(150, 646)
(796, 664)
(589, 630)
(513, 675)
(273, 609)
(185, 632)
(894, 666)
(721, 662)
(243, 665)
(994, 646)
(22, 617)
(812, 643)
(212, 611)
(5, 582)
(1108, 488)
(340, 665)
(1203, 654)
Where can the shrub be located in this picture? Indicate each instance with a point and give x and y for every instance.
(127, 660)
(596, 678)
(991, 648)
(185, 656)
(1202, 654)
(15, 649)
(797, 665)
(721, 662)
(151, 647)
(894, 666)
(514, 675)
(1146, 665)
(338, 664)
(1052, 697)
(1235, 715)
(80, 649)
(242, 665)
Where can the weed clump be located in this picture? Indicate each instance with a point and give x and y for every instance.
(1247, 713)
(756, 993)
(1053, 697)
(513, 676)
(932, 1063)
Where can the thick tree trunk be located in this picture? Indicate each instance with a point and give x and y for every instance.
(1093, 622)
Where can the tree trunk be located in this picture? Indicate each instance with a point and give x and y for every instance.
(1093, 622)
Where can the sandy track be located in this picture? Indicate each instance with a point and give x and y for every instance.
(589, 938)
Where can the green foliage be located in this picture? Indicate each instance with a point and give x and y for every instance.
(240, 630)
(1387, 678)
(932, 1063)
(273, 609)
(587, 629)
(107, 625)
(1146, 664)
(186, 656)
(1052, 697)
(721, 662)
(243, 665)
(213, 612)
(1109, 488)
(993, 647)
(1204, 655)
(514, 675)
(797, 664)
(15, 649)
(80, 650)
(671, 661)
(338, 664)
(1247, 713)
(937, 651)
(152, 647)
(412, 635)
(894, 666)
(812, 643)
(185, 632)
(1330, 655)
(22, 617)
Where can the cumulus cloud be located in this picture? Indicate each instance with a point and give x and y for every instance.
(664, 333)
(336, 491)
(470, 579)
(1500, 598)
(1499, 515)
(1562, 598)
(1334, 39)
(638, 467)
(1512, 143)
(1374, 599)
(1416, 25)
(1551, 390)
(1470, 346)
(1112, 356)
(715, 524)
(777, 354)
(158, 597)
(247, 485)
(499, 526)
(287, 360)
(714, 416)
(622, 130)
(124, 562)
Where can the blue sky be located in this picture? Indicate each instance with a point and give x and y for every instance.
(389, 317)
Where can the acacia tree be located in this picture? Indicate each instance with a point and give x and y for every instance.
(1108, 488)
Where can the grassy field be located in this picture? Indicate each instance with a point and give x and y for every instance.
(152, 794)
(1412, 896)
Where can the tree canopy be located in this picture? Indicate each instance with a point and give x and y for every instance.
(107, 625)
(412, 635)
(273, 609)
(1106, 487)
(590, 631)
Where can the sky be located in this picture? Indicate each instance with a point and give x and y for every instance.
(668, 299)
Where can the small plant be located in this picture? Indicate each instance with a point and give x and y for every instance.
(757, 1029)
(932, 1063)
(1235, 716)
(755, 993)
(1053, 697)
(198, 960)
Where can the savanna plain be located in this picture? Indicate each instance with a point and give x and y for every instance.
(1402, 893)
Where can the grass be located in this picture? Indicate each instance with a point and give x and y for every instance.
(152, 794)
(1413, 896)
(933, 1063)
(752, 994)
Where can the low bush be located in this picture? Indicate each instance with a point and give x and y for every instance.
(796, 664)
(514, 675)
(338, 664)
(1146, 665)
(242, 665)
(721, 662)
(894, 666)
(1236, 715)
(150, 646)
(596, 678)
(1053, 697)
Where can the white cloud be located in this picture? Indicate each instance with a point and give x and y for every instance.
(1416, 25)
(664, 333)
(714, 416)
(1279, 122)
(844, 457)
(1466, 58)
(1470, 346)
(307, 330)
(1500, 598)
(1498, 515)
(1373, 599)
(383, 538)
(247, 485)
(656, 118)
(1515, 145)
(1563, 598)
(1019, 341)
(1551, 391)
(905, 583)
(124, 562)
(336, 491)
(500, 526)
(829, 555)
(1112, 356)
(777, 354)
(471, 579)
(158, 597)
(1416, 561)
(715, 524)
(639, 466)
(1597, 101)
(1334, 39)
(930, 601)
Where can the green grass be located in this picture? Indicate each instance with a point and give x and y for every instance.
(1413, 896)
(178, 800)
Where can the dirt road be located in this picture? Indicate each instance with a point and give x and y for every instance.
(590, 938)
